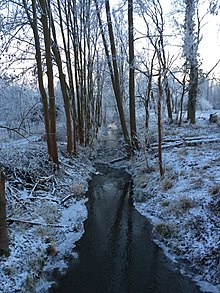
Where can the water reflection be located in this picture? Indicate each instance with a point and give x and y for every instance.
(116, 253)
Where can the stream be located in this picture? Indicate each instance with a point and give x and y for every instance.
(116, 252)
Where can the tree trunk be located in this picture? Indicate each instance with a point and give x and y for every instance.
(181, 100)
(38, 57)
(193, 87)
(62, 79)
(168, 101)
(159, 126)
(133, 129)
(50, 77)
(4, 239)
(116, 80)
(66, 44)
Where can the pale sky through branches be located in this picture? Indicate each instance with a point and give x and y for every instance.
(209, 47)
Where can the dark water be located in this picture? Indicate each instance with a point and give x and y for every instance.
(116, 253)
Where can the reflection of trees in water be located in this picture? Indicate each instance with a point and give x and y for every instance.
(116, 253)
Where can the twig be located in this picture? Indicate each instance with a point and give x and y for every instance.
(65, 198)
(67, 173)
(54, 189)
(40, 180)
(35, 185)
(10, 189)
(13, 129)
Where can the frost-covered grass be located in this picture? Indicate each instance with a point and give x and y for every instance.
(183, 205)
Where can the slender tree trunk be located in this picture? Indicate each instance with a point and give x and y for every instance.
(4, 239)
(146, 105)
(66, 43)
(49, 64)
(181, 100)
(133, 129)
(168, 101)
(160, 92)
(34, 26)
(62, 79)
(149, 90)
(113, 67)
(76, 34)
(193, 88)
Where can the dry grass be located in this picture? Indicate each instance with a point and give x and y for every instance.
(167, 184)
(164, 229)
(182, 173)
(77, 188)
(150, 138)
(141, 181)
(50, 213)
(183, 152)
(29, 284)
(148, 169)
(51, 250)
(181, 205)
(197, 182)
(140, 196)
(214, 190)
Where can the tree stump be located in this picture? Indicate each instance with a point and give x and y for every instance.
(213, 118)
(4, 239)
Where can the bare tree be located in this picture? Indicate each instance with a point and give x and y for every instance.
(153, 16)
(113, 67)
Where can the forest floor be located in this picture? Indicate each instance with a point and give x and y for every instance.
(184, 204)
(46, 210)
(45, 213)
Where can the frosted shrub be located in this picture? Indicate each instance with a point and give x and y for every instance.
(204, 105)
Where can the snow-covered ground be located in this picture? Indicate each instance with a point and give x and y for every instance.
(184, 205)
(45, 213)
(46, 210)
